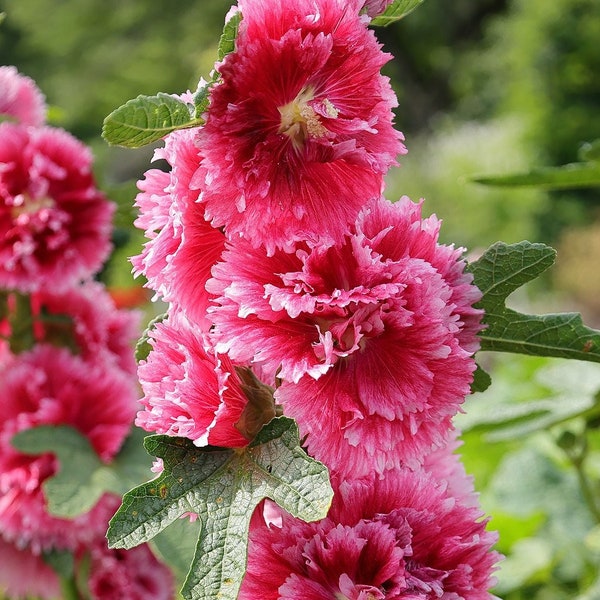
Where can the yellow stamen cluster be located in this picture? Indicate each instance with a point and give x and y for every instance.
(299, 121)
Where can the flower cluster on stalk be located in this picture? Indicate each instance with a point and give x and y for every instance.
(279, 257)
(66, 355)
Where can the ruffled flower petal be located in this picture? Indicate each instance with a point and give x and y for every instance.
(299, 132)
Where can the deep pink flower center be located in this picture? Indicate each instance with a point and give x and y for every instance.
(34, 216)
(343, 335)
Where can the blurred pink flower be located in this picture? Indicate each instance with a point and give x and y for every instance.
(51, 386)
(190, 391)
(371, 338)
(401, 537)
(133, 574)
(20, 98)
(182, 246)
(85, 319)
(299, 132)
(55, 225)
(24, 574)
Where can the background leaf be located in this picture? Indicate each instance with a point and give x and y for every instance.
(573, 175)
(176, 545)
(499, 272)
(553, 394)
(76, 489)
(395, 11)
(222, 486)
(146, 119)
(590, 151)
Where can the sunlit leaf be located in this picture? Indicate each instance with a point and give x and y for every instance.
(146, 119)
(395, 11)
(222, 486)
(76, 489)
(500, 271)
(229, 35)
(201, 97)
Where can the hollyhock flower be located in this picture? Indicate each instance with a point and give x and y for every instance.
(24, 574)
(191, 392)
(20, 98)
(51, 386)
(133, 574)
(299, 132)
(371, 338)
(85, 318)
(446, 467)
(182, 246)
(55, 225)
(401, 537)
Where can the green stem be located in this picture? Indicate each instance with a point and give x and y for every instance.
(68, 587)
(587, 492)
(578, 461)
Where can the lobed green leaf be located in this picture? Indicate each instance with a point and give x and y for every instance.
(395, 11)
(222, 486)
(76, 489)
(481, 380)
(500, 271)
(146, 119)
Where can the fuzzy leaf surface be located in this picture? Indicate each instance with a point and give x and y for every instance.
(76, 489)
(222, 486)
(395, 11)
(146, 119)
(500, 271)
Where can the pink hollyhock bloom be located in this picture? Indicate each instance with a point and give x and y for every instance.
(51, 386)
(191, 392)
(24, 574)
(299, 132)
(446, 467)
(20, 98)
(55, 225)
(182, 246)
(85, 319)
(402, 537)
(133, 574)
(372, 338)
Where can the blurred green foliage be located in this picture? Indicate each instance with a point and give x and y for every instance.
(90, 56)
(525, 471)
